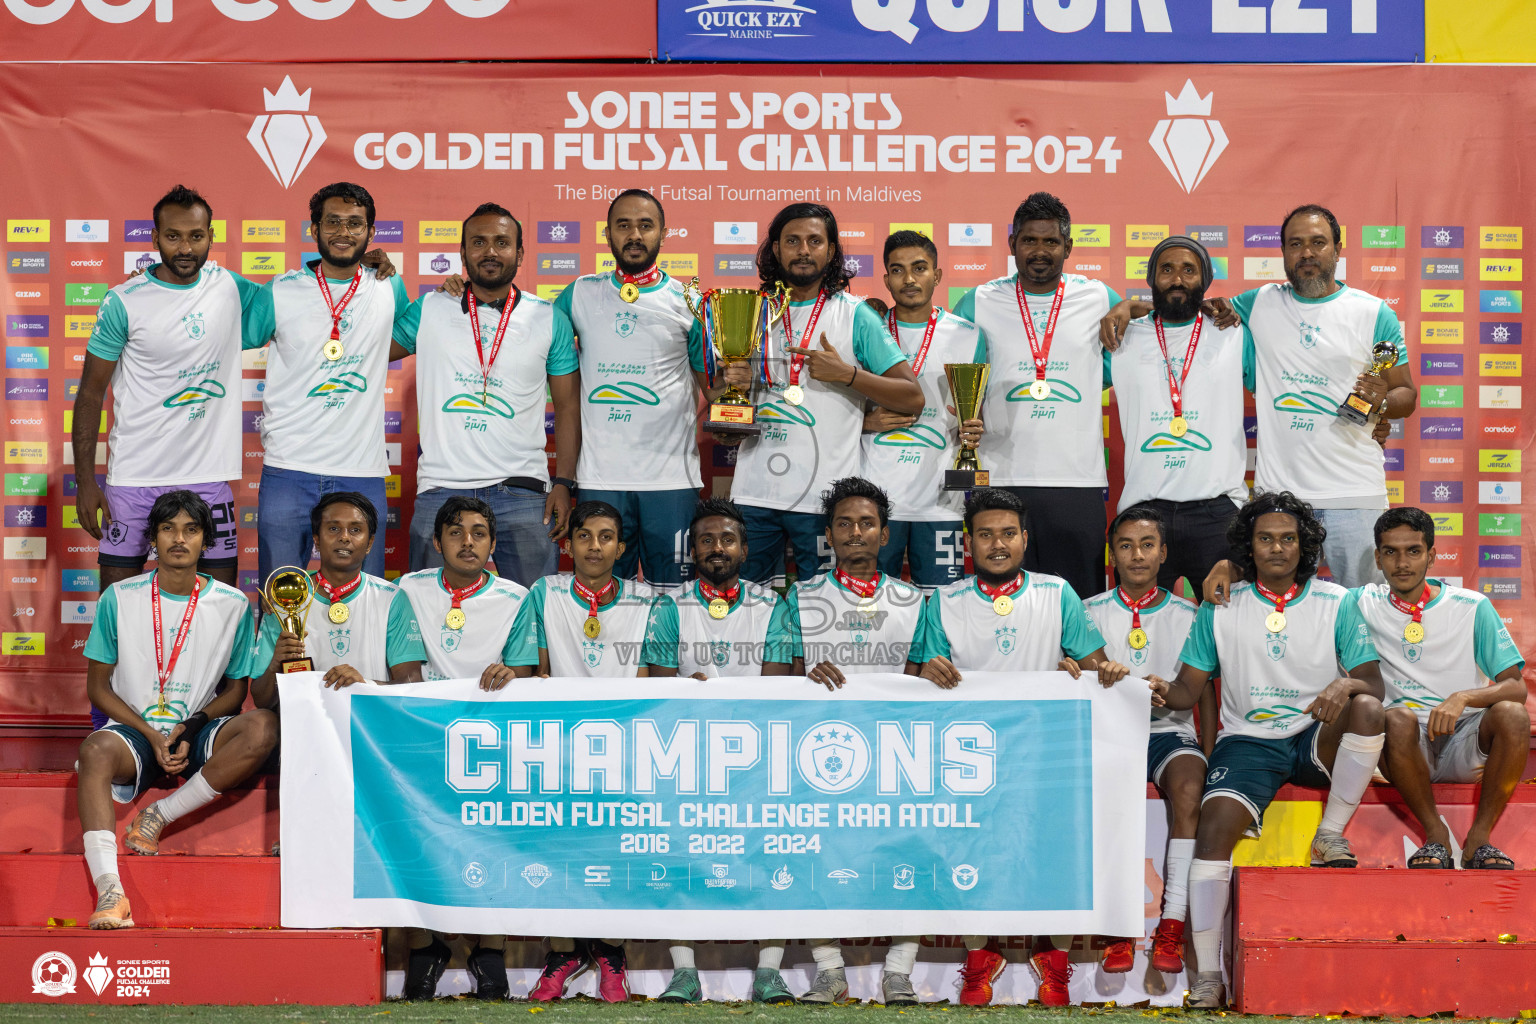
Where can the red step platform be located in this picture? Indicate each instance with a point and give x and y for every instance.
(1390, 942)
(165, 892)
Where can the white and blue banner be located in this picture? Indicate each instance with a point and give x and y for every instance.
(732, 809)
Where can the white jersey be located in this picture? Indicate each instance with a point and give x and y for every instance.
(803, 448)
(1307, 354)
(371, 640)
(1058, 442)
(639, 627)
(218, 646)
(477, 432)
(638, 404)
(1465, 646)
(325, 417)
(1211, 458)
(829, 622)
(1166, 623)
(1047, 620)
(910, 462)
(1268, 679)
(485, 639)
(176, 387)
(752, 632)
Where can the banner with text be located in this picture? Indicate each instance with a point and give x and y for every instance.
(721, 810)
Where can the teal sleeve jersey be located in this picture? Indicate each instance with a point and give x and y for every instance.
(696, 346)
(562, 346)
(527, 636)
(1114, 296)
(661, 634)
(1390, 328)
(873, 345)
(111, 331)
(101, 645)
(1079, 636)
(792, 623)
(407, 325)
(1351, 636)
(402, 300)
(1250, 360)
(1244, 303)
(966, 306)
(1200, 646)
(258, 318)
(402, 634)
(563, 301)
(242, 656)
(1492, 645)
(779, 648)
(935, 640)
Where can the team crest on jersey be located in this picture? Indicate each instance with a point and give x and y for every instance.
(1413, 652)
(624, 323)
(1006, 638)
(592, 652)
(449, 639)
(346, 321)
(1309, 335)
(341, 642)
(1139, 657)
(1274, 646)
(193, 323)
(720, 652)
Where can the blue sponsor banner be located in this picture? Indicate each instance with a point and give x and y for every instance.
(1499, 332)
(1018, 32)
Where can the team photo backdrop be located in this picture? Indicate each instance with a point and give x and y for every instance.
(1422, 164)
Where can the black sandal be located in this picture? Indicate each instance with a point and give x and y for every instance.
(1431, 855)
(1486, 858)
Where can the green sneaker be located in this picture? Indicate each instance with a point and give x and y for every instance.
(684, 987)
(768, 987)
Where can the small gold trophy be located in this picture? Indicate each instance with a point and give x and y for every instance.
(967, 387)
(288, 593)
(1356, 409)
(735, 321)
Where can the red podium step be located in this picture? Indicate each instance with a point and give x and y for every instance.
(165, 892)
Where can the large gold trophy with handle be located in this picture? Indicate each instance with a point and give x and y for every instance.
(735, 321)
(288, 594)
(967, 387)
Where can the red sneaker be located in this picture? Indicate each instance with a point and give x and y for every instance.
(1052, 970)
(1119, 956)
(1168, 946)
(982, 968)
(612, 982)
(559, 969)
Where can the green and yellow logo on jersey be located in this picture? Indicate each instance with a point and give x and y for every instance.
(1306, 403)
(916, 436)
(175, 712)
(1276, 715)
(779, 412)
(1061, 391)
(477, 405)
(349, 381)
(1192, 441)
(205, 390)
(1423, 702)
(624, 392)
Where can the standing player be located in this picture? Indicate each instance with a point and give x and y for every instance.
(910, 453)
(163, 644)
(1144, 628)
(828, 354)
(642, 355)
(1045, 438)
(1286, 715)
(1455, 697)
(481, 409)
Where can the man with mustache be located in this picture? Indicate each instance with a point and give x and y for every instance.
(483, 361)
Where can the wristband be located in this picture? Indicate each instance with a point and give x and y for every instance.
(564, 481)
(192, 725)
(854, 377)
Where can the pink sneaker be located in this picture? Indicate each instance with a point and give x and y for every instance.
(559, 969)
(612, 982)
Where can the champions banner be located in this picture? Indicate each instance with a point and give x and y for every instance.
(734, 809)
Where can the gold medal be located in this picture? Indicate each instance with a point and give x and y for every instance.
(1040, 390)
(592, 627)
(1178, 427)
(719, 608)
(794, 394)
(333, 350)
(455, 619)
(629, 291)
(1414, 632)
(338, 612)
(1137, 638)
(1002, 604)
(1274, 621)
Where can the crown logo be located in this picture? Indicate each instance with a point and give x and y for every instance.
(287, 136)
(1189, 102)
(1188, 140)
(289, 99)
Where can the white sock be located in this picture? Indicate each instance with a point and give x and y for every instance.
(828, 954)
(901, 957)
(974, 942)
(770, 955)
(192, 794)
(1352, 768)
(1209, 888)
(1176, 878)
(562, 945)
(101, 858)
(682, 957)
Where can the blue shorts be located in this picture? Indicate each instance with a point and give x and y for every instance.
(768, 529)
(1252, 770)
(146, 771)
(1163, 747)
(934, 551)
(655, 531)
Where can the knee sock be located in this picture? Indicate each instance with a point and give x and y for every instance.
(1352, 768)
(194, 793)
(902, 955)
(974, 942)
(770, 955)
(1176, 878)
(562, 945)
(828, 954)
(682, 957)
(101, 858)
(1209, 888)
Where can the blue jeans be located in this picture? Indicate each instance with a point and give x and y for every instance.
(655, 531)
(523, 552)
(282, 517)
(1350, 547)
(934, 552)
(767, 530)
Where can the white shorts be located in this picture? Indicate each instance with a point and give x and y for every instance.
(1456, 757)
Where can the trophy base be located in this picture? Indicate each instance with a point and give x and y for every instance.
(296, 665)
(965, 479)
(1356, 410)
(726, 418)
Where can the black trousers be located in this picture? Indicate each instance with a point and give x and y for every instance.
(1066, 534)
(1197, 539)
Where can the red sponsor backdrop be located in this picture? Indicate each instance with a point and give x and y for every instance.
(1422, 164)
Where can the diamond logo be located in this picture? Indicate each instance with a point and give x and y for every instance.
(1188, 141)
(97, 974)
(286, 137)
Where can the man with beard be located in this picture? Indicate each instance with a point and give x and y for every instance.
(483, 361)
(323, 423)
(1178, 382)
(828, 354)
(642, 355)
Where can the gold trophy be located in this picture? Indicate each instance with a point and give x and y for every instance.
(288, 593)
(967, 387)
(735, 321)
(1356, 409)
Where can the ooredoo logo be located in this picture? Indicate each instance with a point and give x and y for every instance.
(287, 136)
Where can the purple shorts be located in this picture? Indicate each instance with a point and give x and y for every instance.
(125, 544)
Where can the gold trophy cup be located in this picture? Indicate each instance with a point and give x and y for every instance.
(288, 594)
(1356, 409)
(735, 321)
(967, 387)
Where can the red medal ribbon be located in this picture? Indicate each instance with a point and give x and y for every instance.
(163, 669)
(457, 596)
(336, 308)
(1279, 599)
(1041, 353)
(922, 351)
(596, 598)
(1415, 610)
(710, 593)
(334, 594)
(1149, 598)
(644, 279)
(864, 588)
(1006, 590)
(501, 331)
(797, 360)
(1176, 388)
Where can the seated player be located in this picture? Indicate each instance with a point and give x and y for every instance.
(353, 631)
(469, 615)
(1286, 714)
(167, 662)
(588, 623)
(1008, 620)
(1455, 697)
(727, 626)
(1144, 627)
(866, 622)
